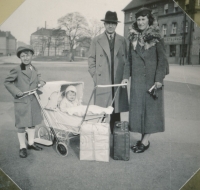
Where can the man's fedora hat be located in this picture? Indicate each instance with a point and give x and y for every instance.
(110, 17)
(143, 12)
(24, 48)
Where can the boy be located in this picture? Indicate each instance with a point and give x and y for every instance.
(25, 77)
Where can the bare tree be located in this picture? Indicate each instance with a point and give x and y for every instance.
(58, 38)
(95, 28)
(75, 26)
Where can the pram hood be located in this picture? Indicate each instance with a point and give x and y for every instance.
(53, 92)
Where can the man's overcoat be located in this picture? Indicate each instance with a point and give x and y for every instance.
(99, 61)
(147, 67)
(27, 109)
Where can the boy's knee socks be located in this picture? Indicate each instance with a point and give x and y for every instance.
(21, 137)
(31, 135)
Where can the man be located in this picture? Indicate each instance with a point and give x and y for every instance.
(107, 63)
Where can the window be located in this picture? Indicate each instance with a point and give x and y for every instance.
(154, 6)
(186, 27)
(164, 29)
(130, 17)
(174, 27)
(172, 49)
(166, 9)
(175, 7)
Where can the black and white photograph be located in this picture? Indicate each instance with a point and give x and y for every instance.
(99, 95)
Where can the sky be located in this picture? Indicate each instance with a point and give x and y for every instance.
(33, 14)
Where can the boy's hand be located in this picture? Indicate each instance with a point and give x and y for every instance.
(19, 94)
(124, 81)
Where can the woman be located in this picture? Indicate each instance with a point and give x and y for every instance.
(148, 66)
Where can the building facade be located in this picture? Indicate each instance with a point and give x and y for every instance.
(49, 42)
(192, 8)
(176, 27)
(8, 43)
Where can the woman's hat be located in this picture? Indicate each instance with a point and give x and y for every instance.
(24, 48)
(70, 88)
(110, 17)
(143, 12)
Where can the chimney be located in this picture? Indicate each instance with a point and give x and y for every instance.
(38, 28)
(45, 24)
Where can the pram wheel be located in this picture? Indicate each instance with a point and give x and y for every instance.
(62, 149)
(43, 133)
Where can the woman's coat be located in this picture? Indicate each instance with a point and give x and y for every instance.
(99, 61)
(147, 67)
(27, 109)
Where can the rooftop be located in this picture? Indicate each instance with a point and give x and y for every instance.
(7, 34)
(138, 3)
(48, 32)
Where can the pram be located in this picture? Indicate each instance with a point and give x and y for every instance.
(61, 127)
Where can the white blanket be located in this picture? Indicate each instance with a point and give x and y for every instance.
(92, 110)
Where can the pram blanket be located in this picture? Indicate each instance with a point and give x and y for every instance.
(92, 110)
(95, 142)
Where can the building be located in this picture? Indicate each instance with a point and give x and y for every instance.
(176, 27)
(49, 42)
(8, 43)
(192, 8)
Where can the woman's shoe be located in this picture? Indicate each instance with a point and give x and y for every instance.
(141, 148)
(134, 147)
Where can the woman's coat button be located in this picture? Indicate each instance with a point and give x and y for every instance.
(99, 74)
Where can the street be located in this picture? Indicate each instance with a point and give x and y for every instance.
(173, 157)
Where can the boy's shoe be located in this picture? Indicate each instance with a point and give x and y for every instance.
(23, 153)
(34, 147)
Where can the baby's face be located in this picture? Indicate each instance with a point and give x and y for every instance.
(71, 96)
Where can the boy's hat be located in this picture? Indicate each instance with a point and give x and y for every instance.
(70, 88)
(110, 17)
(24, 48)
(143, 12)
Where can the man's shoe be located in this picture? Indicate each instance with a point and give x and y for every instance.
(34, 147)
(23, 153)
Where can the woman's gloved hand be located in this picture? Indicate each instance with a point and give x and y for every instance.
(158, 85)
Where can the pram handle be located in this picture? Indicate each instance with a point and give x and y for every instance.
(112, 85)
(102, 86)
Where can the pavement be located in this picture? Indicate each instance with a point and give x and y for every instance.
(173, 157)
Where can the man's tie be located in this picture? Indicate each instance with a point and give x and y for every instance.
(111, 38)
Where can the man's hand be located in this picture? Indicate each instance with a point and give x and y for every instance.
(158, 85)
(19, 94)
(124, 81)
(41, 84)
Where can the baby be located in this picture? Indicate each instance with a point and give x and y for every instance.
(70, 104)
(70, 99)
